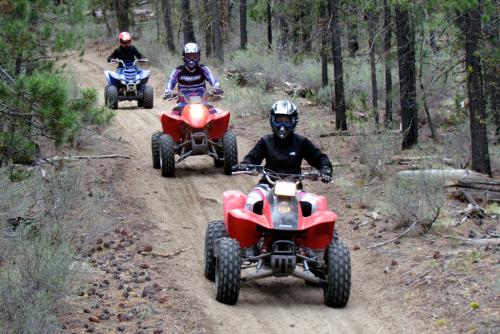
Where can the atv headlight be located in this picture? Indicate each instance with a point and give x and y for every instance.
(284, 208)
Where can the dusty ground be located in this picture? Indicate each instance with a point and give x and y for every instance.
(141, 268)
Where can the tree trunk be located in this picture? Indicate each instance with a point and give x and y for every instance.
(284, 28)
(372, 26)
(269, 15)
(217, 30)
(207, 26)
(477, 108)
(187, 23)
(225, 18)
(168, 25)
(324, 57)
(388, 65)
(338, 103)
(243, 24)
(352, 29)
(122, 8)
(407, 77)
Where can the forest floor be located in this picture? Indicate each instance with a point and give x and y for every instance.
(141, 260)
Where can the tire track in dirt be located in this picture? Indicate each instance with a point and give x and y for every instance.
(182, 206)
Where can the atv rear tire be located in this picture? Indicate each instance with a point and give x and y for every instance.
(230, 151)
(111, 97)
(337, 287)
(167, 156)
(148, 97)
(228, 271)
(155, 149)
(215, 230)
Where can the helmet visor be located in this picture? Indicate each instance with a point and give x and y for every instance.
(192, 57)
(125, 42)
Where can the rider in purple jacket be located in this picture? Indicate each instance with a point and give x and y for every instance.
(192, 75)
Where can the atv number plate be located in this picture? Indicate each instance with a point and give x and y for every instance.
(283, 188)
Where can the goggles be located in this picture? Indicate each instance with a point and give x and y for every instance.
(125, 42)
(192, 57)
(283, 120)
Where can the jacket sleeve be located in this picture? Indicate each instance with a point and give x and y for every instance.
(136, 52)
(209, 75)
(257, 154)
(113, 55)
(314, 156)
(172, 81)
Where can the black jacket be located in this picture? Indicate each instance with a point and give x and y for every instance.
(286, 155)
(129, 53)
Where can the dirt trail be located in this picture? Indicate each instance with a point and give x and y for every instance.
(181, 208)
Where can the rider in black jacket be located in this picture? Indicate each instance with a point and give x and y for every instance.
(284, 150)
(126, 51)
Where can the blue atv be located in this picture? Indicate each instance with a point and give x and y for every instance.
(128, 83)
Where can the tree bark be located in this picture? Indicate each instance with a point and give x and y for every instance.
(352, 29)
(219, 52)
(269, 15)
(168, 25)
(187, 23)
(324, 57)
(388, 65)
(372, 26)
(207, 26)
(407, 77)
(477, 108)
(338, 103)
(122, 8)
(243, 24)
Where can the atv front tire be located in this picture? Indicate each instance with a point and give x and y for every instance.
(167, 156)
(111, 97)
(337, 287)
(228, 271)
(215, 230)
(230, 151)
(148, 97)
(155, 149)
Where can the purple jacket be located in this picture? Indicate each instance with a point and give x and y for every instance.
(196, 79)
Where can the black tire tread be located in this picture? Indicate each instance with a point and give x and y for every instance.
(155, 149)
(230, 151)
(337, 289)
(228, 271)
(111, 97)
(215, 230)
(167, 152)
(148, 97)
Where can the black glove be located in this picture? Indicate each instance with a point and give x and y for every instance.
(326, 174)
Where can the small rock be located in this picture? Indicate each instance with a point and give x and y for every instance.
(99, 241)
(99, 248)
(436, 255)
(104, 316)
(120, 328)
(157, 331)
(85, 310)
(106, 245)
(94, 320)
(394, 263)
(163, 299)
(397, 242)
(472, 234)
(147, 248)
(356, 247)
(144, 266)
(124, 317)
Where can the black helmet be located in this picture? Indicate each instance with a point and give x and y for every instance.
(283, 118)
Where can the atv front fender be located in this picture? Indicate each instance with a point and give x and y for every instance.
(241, 224)
(319, 229)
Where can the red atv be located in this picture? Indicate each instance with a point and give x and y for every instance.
(289, 232)
(194, 128)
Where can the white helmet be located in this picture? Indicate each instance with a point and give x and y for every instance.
(191, 56)
(283, 118)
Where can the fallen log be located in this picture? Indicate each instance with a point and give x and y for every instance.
(484, 189)
(392, 133)
(449, 174)
(84, 157)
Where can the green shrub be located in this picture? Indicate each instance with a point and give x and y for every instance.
(416, 199)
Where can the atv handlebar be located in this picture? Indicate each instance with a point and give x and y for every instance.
(208, 94)
(119, 61)
(272, 176)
